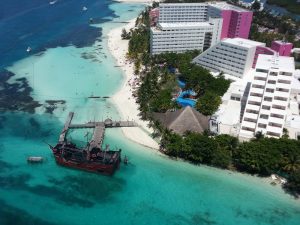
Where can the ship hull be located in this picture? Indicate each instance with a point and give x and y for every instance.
(105, 169)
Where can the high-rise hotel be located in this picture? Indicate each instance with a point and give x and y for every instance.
(189, 26)
(268, 100)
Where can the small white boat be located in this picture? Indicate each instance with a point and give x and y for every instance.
(28, 49)
(52, 2)
(35, 159)
(84, 8)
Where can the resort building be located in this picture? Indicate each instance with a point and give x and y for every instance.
(292, 123)
(262, 50)
(233, 56)
(282, 47)
(268, 100)
(189, 26)
(236, 21)
(180, 37)
(182, 12)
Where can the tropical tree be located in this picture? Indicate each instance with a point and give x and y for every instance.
(255, 5)
(292, 162)
(285, 133)
(208, 103)
(293, 184)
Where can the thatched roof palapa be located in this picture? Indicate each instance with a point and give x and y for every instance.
(185, 119)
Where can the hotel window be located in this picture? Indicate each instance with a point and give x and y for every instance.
(271, 81)
(268, 99)
(262, 70)
(248, 129)
(266, 107)
(282, 89)
(277, 116)
(261, 125)
(284, 81)
(270, 90)
(264, 116)
(260, 78)
(273, 73)
(273, 134)
(285, 73)
(280, 98)
(275, 125)
(278, 107)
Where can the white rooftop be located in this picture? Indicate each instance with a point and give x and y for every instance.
(283, 63)
(246, 43)
(229, 113)
(219, 5)
(297, 73)
(183, 4)
(295, 86)
(226, 6)
(293, 121)
(184, 24)
(282, 42)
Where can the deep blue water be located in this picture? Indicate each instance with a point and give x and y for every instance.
(38, 24)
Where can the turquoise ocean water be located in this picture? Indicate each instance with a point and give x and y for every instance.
(152, 189)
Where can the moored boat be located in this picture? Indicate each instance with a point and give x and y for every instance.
(35, 159)
(96, 160)
(92, 157)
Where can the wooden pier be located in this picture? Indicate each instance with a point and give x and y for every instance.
(63, 134)
(99, 129)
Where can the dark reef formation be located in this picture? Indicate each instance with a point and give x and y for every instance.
(16, 96)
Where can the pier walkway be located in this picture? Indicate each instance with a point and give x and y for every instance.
(99, 129)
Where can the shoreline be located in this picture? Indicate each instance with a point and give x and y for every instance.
(123, 99)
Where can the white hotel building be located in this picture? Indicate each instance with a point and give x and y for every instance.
(184, 26)
(182, 12)
(188, 26)
(233, 56)
(268, 100)
(180, 37)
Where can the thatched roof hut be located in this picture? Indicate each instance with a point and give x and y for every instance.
(185, 119)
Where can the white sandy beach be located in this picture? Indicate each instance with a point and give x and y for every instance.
(123, 99)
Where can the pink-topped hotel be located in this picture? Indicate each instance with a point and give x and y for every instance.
(236, 21)
(283, 48)
(178, 27)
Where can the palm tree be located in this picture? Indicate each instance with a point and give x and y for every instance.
(292, 163)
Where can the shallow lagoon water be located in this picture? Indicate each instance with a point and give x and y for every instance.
(152, 189)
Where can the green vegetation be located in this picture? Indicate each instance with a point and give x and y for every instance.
(256, 5)
(125, 35)
(262, 156)
(291, 5)
(267, 28)
(158, 84)
(208, 103)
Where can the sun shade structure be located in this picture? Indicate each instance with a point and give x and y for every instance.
(185, 119)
